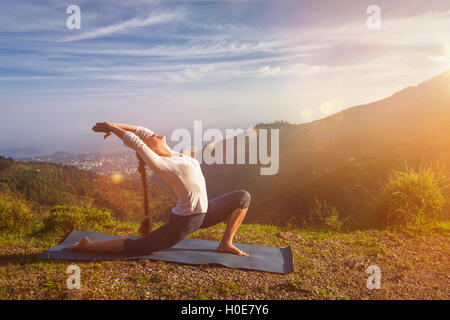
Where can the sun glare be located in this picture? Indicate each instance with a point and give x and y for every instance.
(446, 57)
(116, 177)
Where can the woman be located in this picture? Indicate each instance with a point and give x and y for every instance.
(192, 211)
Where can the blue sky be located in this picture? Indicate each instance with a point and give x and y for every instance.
(232, 64)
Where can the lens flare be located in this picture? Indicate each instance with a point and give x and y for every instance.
(116, 177)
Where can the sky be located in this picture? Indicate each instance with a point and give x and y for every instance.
(230, 64)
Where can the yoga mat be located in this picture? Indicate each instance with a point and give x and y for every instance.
(188, 251)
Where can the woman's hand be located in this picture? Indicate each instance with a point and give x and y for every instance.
(105, 127)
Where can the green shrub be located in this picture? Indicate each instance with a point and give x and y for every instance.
(4, 188)
(5, 163)
(63, 219)
(322, 215)
(410, 197)
(15, 215)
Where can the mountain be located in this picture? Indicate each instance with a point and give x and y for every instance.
(344, 158)
(21, 152)
(46, 185)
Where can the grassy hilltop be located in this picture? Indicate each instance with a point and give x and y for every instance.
(414, 264)
(366, 186)
(330, 257)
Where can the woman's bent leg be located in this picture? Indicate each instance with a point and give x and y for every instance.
(232, 207)
(115, 245)
(234, 222)
(165, 236)
(221, 208)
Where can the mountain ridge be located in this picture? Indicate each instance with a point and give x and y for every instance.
(344, 158)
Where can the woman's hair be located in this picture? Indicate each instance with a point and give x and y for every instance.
(146, 224)
(146, 227)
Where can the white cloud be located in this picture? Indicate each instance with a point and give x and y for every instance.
(306, 114)
(267, 71)
(195, 73)
(441, 59)
(300, 69)
(152, 19)
(304, 69)
(212, 48)
(328, 107)
(26, 78)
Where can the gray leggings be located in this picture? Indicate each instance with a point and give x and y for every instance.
(178, 227)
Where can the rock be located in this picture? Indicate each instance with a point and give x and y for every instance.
(75, 294)
(142, 262)
(282, 235)
(359, 266)
(145, 263)
(350, 264)
(397, 278)
(288, 236)
(354, 265)
(307, 288)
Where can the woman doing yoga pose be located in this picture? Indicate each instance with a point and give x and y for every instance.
(192, 210)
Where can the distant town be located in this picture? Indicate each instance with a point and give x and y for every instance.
(108, 164)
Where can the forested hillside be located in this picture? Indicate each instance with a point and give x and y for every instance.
(46, 184)
(344, 159)
(336, 166)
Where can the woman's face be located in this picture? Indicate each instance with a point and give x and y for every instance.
(156, 143)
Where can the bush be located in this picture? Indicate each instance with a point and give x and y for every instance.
(15, 215)
(323, 216)
(5, 163)
(63, 219)
(410, 197)
(4, 188)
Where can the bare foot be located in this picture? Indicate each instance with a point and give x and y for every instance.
(230, 248)
(81, 246)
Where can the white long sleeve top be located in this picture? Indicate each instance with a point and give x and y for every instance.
(182, 174)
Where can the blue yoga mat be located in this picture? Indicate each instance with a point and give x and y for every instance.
(189, 251)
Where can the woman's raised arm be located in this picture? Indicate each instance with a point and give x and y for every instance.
(126, 127)
(108, 128)
(132, 141)
(141, 132)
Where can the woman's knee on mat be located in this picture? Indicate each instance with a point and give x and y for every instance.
(151, 243)
(166, 236)
(244, 199)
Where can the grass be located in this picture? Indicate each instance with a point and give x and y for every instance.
(328, 264)
(411, 197)
(331, 259)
